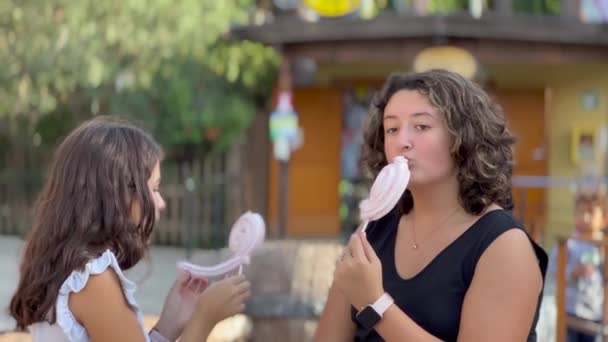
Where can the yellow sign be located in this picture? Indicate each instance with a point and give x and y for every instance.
(333, 8)
(584, 145)
(451, 58)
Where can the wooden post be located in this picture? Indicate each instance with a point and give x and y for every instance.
(187, 209)
(560, 296)
(234, 184)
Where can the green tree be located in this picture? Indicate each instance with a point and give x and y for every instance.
(166, 63)
(448, 6)
(537, 6)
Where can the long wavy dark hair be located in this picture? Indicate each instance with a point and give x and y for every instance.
(482, 146)
(85, 208)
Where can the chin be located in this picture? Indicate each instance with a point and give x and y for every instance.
(413, 184)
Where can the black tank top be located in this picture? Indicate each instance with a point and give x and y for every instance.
(433, 298)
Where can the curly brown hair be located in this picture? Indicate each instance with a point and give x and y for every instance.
(482, 144)
(84, 209)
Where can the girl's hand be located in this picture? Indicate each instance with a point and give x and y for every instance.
(179, 306)
(358, 273)
(222, 299)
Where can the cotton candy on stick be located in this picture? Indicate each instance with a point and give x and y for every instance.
(387, 189)
(246, 235)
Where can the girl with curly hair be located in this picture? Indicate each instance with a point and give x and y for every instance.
(449, 262)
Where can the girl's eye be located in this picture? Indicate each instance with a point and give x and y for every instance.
(391, 130)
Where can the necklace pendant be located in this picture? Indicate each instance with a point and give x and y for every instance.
(414, 246)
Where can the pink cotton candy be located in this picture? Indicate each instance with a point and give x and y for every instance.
(386, 191)
(246, 235)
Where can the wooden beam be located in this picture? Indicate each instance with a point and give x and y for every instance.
(389, 26)
(403, 51)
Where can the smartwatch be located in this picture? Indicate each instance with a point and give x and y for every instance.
(370, 315)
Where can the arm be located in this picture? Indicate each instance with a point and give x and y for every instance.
(335, 323)
(499, 305)
(219, 301)
(197, 332)
(178, 307)
(103, 310)
(502, 299)
(360, 275)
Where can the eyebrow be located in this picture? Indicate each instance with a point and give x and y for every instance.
(416, 114)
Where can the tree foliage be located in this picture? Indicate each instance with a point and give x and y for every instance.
(166, 63)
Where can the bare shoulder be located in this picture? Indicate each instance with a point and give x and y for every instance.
(102, 304)
(100, 289)
(511, 248)
(511, 256)
(510, 260)
(507, 276)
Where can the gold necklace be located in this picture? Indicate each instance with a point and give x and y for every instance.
(415, 244)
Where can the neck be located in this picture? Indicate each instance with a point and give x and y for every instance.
(434, 202)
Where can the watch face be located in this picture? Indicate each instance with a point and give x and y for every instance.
(368, 317)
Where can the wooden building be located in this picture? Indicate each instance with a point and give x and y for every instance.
(549, 72)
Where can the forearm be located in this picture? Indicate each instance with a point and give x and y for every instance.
(395, 326)
(196, 331)
(335, 324)
(157, 335)
(167, 330)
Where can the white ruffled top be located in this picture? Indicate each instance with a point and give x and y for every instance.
(66, 328)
